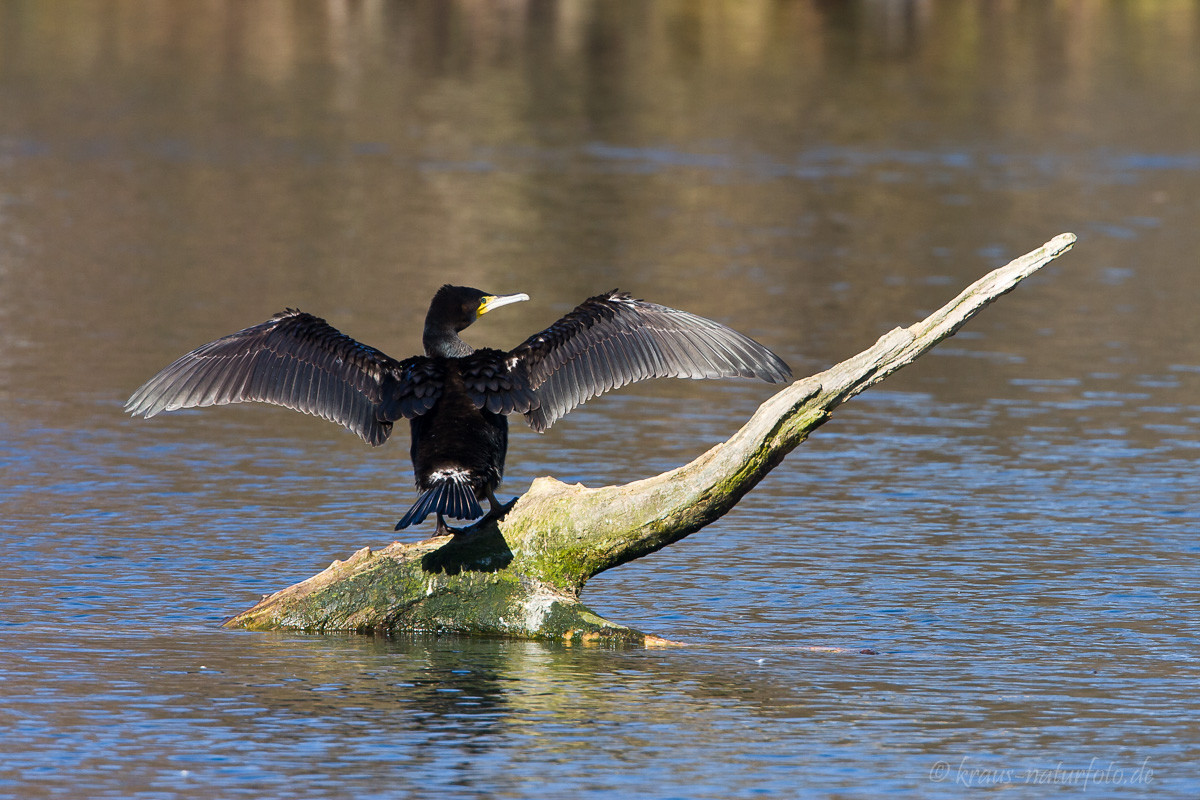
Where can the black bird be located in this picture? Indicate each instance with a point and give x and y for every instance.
(456, 398)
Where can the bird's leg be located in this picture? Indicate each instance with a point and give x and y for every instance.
(498, 509)
(445, 530)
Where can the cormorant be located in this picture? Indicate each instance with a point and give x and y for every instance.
(455, 397)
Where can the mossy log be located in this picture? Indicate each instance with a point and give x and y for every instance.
(522, 576)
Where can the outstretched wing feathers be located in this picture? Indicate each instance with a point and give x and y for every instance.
(612, 339)
(299, 361)
(293, 360)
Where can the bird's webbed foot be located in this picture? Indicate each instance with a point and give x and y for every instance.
(496, 513)
(498, 509)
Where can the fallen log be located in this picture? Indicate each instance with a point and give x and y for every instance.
(522, 576)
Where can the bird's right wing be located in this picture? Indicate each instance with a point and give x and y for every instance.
(612, 339)
(297, 361)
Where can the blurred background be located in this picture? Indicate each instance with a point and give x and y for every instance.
(1009, 523)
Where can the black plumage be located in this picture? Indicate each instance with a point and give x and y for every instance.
(456, 398)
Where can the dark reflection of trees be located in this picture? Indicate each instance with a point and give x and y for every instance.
(324, 147)
(771, 163)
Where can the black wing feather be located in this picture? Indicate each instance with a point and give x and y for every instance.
(612, 339)
(414, 388)
(293, 360)
(496, 381)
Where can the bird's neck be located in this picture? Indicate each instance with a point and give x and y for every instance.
(445, 342)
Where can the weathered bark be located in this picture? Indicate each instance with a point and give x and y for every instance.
(522, 576)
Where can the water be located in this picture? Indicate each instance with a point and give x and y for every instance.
(981, 574)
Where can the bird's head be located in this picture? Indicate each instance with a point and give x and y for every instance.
(454, 308)
(457, 307)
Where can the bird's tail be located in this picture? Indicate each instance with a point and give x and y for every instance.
(450, 495)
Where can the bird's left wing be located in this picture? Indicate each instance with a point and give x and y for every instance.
(293, 360)
(612, 339)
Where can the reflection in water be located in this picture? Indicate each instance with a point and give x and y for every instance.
(286, 713)
(428, 711)
(1009, 523)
